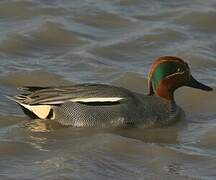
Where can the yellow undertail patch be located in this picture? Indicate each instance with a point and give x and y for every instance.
(42, 111)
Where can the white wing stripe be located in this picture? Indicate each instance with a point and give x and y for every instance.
(97, 99)
(106, 99)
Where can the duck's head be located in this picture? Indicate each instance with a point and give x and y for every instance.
(169, 73)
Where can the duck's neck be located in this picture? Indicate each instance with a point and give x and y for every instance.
(161, 110)
(165, 93)
(169, 98)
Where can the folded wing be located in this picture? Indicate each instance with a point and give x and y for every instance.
(86, 93)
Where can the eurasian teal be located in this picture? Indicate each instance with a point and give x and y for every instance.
(99, 105)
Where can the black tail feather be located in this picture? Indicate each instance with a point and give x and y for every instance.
(31, 88)
(29, 113)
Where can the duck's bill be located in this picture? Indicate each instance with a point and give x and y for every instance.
(196, 84)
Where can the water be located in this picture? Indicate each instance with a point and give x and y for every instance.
(46, 42)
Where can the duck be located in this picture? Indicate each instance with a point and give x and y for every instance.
(102, 105)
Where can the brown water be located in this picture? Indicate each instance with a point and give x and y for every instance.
(46, 42)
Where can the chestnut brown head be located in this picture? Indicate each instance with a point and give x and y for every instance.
(169, 73)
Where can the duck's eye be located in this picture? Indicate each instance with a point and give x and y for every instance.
(179, 70)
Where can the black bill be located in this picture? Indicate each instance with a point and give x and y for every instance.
(196, 84)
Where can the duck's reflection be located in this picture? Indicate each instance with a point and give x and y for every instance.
(43, 125)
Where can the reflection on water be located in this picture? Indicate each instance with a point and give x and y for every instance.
(40, 126)
(58, 42)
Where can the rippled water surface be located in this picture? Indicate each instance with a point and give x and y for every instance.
(46, 42)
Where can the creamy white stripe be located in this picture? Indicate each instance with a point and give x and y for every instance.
(97, 99)
(106, 99)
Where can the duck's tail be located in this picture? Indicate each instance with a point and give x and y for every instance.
(33, 111)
